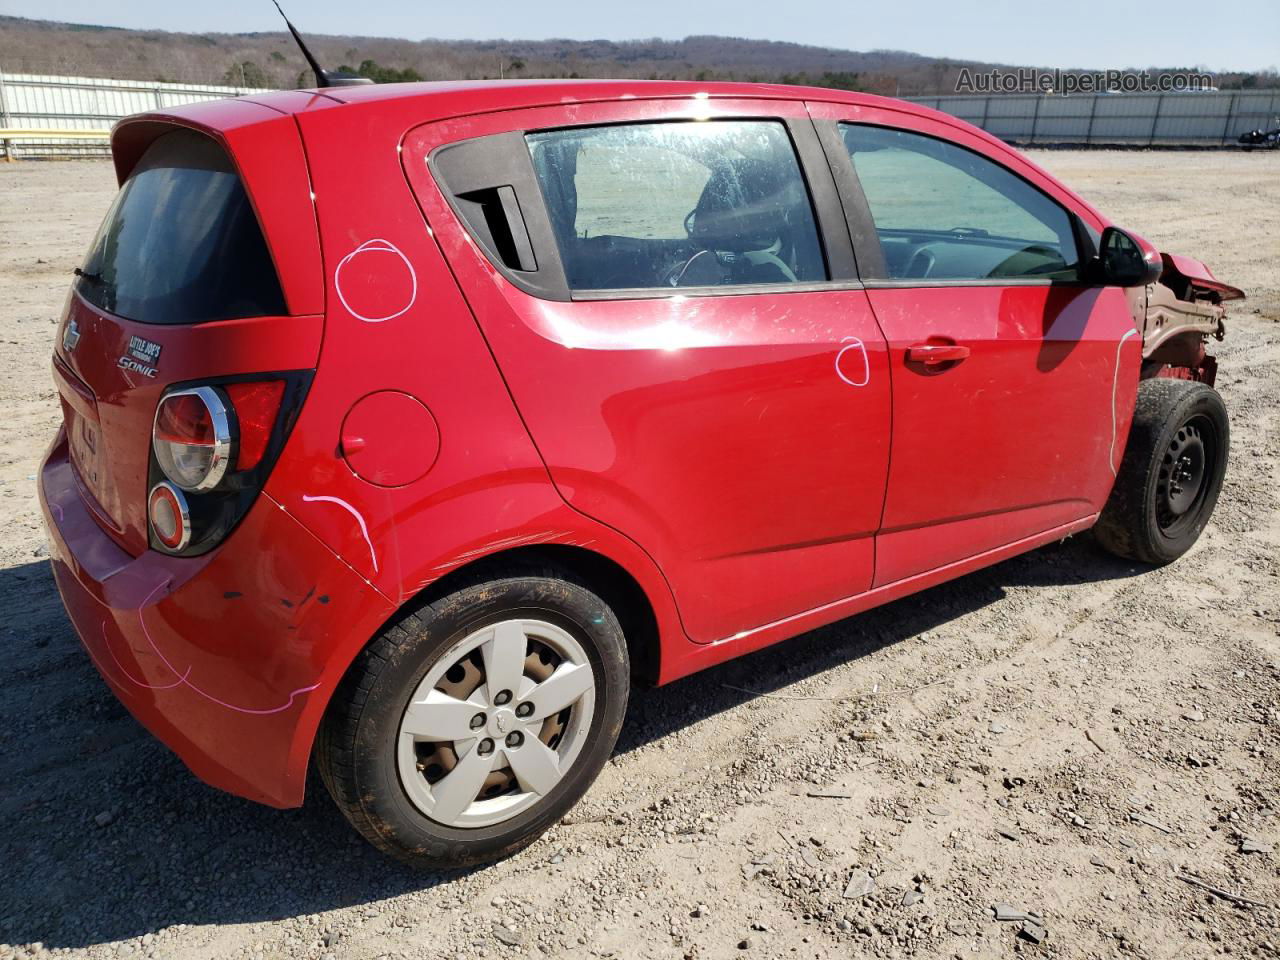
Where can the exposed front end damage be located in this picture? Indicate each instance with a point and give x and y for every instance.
(1177, 315)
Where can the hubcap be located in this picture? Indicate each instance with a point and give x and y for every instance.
(496, 723)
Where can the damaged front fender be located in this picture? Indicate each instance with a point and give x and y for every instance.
(1182, 310)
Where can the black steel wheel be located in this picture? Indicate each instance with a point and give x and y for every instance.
(1182, 484)
(1172, 472)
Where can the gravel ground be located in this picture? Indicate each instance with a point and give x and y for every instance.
(1063, 734)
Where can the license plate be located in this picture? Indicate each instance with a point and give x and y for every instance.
(86, 442)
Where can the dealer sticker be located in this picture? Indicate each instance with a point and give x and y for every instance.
(143, 356)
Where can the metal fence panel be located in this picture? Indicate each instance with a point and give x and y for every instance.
(31, 101)
(40, 102)
(1130, 119)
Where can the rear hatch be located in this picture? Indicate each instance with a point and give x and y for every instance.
(180, 286)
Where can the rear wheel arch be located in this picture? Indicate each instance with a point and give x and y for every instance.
(648, 621)
(606, 577)
(612, 582)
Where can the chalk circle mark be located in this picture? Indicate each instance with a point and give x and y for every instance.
(852, 365)
(376, 282)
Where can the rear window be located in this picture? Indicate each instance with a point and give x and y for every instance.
(680, 204)
(181, 243)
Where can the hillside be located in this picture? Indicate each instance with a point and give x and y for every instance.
(272, 59)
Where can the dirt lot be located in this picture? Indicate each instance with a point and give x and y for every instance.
(1062, 733)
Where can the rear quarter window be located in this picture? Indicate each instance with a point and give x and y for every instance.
(181, 243)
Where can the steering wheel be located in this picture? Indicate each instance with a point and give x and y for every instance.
(688, 222)
(675, 275)
(672, 275)
(920, 265)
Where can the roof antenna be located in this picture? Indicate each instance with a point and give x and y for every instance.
(324, 78)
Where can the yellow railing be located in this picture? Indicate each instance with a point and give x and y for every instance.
(8, 134)
(35, 133)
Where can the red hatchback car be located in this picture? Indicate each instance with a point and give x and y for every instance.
(405, 426)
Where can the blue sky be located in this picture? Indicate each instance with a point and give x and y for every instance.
(1220, 35)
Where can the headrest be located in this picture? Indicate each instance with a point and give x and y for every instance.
(743, 207)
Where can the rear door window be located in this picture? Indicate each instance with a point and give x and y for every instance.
(680, 204)
(181, 242)
(946, 213)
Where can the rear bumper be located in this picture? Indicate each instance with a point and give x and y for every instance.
(225, 657)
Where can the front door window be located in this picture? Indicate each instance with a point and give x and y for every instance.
(945, 213)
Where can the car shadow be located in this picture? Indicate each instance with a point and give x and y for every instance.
(105, 836)
(656, 713)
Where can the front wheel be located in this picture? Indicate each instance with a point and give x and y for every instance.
(1169, 480)
(472, 725)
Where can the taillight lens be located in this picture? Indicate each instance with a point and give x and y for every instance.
(192, 438)
(212, 447)
(170, 519)
(257, 405)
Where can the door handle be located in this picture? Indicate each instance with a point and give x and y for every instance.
(932, 353)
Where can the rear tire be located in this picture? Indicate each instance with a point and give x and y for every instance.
(523, 757)
(1172, 472)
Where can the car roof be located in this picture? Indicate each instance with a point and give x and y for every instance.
(443, 100)
(450, 98)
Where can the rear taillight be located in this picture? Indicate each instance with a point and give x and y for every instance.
(192, 438)
(212, 446)
(169, 517)
(257, 404)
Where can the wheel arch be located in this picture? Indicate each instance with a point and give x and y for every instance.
(646, 623)
(363, 717)
(617, 586)
(614, 583)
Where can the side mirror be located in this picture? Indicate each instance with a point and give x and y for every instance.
(1127, 260)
